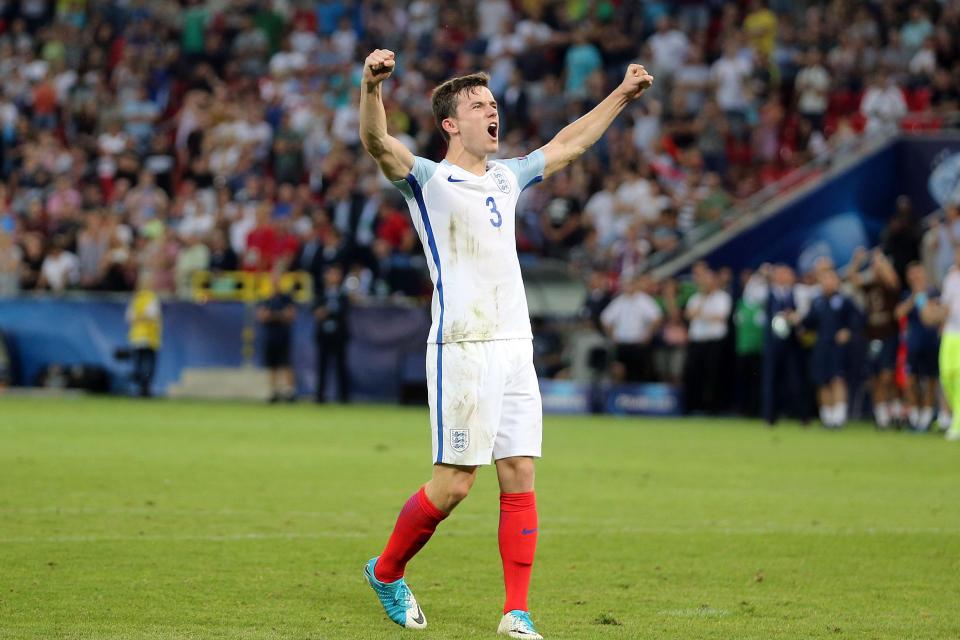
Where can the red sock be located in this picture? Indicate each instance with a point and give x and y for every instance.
(518, 543)
(416, 523)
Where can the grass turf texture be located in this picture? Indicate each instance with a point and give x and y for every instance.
(161, 519)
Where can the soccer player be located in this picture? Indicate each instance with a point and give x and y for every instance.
(947, 311)
(483, 394)
(923, 345)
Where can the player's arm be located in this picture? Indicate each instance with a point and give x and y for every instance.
(573, 140)
(395, 160)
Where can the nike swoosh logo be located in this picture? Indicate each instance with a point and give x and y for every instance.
(452, 179)
(527, 532)
(419, 617)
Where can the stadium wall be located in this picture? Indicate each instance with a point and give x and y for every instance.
(388, 344)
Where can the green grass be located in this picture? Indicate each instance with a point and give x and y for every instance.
(121, 519)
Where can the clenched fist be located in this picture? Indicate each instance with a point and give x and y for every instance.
(378, 66)
(636, 81)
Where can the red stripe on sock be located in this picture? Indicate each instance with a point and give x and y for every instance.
(518, 545)
(416, 523)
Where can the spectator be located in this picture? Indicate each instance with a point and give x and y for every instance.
(581, 60)
(193, 257)
(883, 106)
(760, 26)
(60, 269)
(222, 257)
(729, 75)
(813, 87)
(669, 47)
(631, 320)
(708, 312)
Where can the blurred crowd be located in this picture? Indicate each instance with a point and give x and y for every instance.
(169, 137)
(858, 340)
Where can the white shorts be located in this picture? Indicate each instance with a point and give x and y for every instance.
(484, 401)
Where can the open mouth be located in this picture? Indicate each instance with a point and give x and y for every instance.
(492, 130)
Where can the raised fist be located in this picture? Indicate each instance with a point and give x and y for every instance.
(635, 81)
(378, 66)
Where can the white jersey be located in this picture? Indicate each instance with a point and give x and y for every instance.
(467, 226)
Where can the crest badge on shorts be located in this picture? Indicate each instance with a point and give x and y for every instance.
(459, 439)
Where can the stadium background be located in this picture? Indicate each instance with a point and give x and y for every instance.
(200, 146)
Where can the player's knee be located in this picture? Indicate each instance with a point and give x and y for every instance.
(516, 474)
(458, 490)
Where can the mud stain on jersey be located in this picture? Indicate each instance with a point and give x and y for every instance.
(452, 229)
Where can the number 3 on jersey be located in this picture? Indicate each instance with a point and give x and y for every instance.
(493, 209)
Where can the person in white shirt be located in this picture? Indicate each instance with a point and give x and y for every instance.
(60, 269)
(669, 47)
(883, 105)
(631, 320)
(729, 76)
(813, 86)
(708, 312)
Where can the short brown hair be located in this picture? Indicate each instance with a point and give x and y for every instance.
(444, 97)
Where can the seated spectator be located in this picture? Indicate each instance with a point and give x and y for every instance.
(60, 269)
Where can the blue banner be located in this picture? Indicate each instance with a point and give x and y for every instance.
(385, 341)
(565, 397)
(644, 400)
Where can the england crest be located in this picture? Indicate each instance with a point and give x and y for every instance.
(501, 181)
(459, 439)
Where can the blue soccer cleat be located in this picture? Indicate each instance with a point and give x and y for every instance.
(397, 599)
(517, 624)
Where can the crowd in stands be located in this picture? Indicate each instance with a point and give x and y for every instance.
(174, 137)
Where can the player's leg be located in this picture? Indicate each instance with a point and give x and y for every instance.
(518, 442)
(950, 379)
(420, 515)
(462, 429)
(517, 534)
(415, 525)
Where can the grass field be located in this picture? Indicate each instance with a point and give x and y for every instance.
(161, 519)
